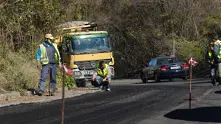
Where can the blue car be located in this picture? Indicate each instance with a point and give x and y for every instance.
(167, 67)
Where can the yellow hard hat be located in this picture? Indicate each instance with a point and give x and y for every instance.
(49, 36)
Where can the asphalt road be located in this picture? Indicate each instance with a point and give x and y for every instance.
(130, 102)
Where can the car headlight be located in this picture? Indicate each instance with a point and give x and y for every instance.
(77, 73)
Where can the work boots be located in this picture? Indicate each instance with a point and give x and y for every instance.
(219, 81)
(40, 93)
(213, 79)
(52, 92)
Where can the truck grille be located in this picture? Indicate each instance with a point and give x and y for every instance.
(89, 64)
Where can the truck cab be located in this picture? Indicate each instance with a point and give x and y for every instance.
(83, 49)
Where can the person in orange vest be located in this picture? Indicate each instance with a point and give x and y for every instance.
(102, 76)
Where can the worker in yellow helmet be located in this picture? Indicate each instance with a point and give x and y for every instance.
(47, 57)
(102, 76)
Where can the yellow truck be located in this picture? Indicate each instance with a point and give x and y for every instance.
(84, 47)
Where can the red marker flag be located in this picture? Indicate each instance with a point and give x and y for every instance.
(67, 71)
(192, 62)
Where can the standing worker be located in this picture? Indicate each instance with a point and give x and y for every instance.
(217, 51)
(210, 57)
(102, 76)
(47, 57)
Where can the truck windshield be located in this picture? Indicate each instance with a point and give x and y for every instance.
(91, 44)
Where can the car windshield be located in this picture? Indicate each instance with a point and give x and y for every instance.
(168, 61)
(91, 43)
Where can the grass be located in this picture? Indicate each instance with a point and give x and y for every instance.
(19, 73)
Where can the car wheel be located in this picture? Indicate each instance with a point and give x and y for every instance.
(185, 78)
(143, 78)
(156, 77)
(170, 79)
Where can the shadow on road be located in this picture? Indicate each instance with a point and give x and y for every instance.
(203, 114)
(218, 92)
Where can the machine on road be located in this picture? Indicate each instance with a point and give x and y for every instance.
(84, 47)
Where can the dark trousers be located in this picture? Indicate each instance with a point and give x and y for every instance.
(213, 75)
(49, 68)
(100, 81)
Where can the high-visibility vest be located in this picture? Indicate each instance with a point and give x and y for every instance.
(103, 73)
(219, 56)
(44, 57)
(210, 55)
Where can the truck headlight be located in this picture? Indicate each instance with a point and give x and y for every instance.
(77, 73)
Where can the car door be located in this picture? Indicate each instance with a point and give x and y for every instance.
(150, 70)
(147, 69)
(153, 68)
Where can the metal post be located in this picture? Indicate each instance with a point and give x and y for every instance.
(190, 90)
(63, 89)
(49, 85)
(174, 48)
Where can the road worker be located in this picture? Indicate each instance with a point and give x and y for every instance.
(102, 76)
(47, 57)
(210, 57)
(217, 52)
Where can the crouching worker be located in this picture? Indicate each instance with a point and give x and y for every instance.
(102, 76)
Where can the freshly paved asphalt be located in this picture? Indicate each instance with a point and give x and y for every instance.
(130, 102)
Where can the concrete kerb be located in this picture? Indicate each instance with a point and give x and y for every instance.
(12, 94)
(15, 94)
(7, 99)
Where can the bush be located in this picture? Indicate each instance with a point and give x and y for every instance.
(69, 80)
(17, 73)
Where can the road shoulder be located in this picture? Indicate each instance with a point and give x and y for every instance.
(15, 98)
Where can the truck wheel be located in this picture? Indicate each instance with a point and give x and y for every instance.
(78, 83)
(81, 83)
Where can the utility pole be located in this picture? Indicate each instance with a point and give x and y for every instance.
(190, 86)
(63, 86)
(174, 46)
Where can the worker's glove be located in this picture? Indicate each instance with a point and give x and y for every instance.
(39, 65)
(60, 65)
(105, 79)
(93, 78)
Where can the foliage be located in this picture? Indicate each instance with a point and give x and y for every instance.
(17, 73)
(139, 30)
(69, 80)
